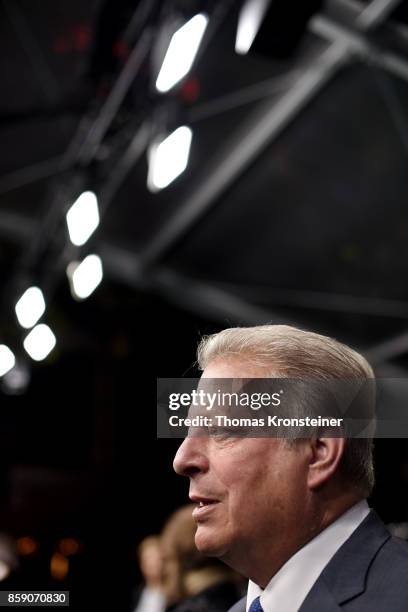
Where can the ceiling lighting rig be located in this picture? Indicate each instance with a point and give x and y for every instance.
(168, 37)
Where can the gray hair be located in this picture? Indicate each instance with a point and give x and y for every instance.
(287, 352)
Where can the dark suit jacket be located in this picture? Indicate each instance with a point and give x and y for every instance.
(217, 598)
(369, 573)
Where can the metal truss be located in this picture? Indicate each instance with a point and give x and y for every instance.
(342, 42)
(272, 117)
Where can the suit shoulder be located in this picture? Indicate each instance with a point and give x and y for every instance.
(389, 569)
(386, 585)
(395, 549)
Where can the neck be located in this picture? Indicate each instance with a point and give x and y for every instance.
(261, 563)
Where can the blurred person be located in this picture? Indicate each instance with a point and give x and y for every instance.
(152, 597)
(193, 582)
(292, 515)
(8, 560)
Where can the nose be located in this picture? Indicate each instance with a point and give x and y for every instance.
(191, 457)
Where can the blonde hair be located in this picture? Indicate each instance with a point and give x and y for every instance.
(186, 569)
(289, 352)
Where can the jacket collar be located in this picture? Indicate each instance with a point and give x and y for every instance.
(344, 577)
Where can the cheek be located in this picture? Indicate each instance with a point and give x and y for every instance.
(266, 489)
(256, 471)
(253, 489)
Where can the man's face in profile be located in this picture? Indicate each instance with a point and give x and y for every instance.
(247, 491)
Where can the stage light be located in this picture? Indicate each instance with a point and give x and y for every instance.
(169, 158)
(7, 359)
(16, 380)
(30, 307)
(68, 546)
(59, 566)
(181, 52)
(27, 546)
(39, 342)
(85, 277)
(83, 218)
(249, 21)
(273, 29)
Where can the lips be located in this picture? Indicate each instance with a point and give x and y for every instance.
(205, 505)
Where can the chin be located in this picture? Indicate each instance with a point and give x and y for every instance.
(209, 542)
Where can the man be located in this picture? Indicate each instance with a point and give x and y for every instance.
(292, 515)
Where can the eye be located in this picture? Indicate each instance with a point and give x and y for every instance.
(227, 432)
(218, 432)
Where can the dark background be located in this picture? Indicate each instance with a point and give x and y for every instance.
(310, 228)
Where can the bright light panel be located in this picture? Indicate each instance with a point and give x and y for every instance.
(249, 21)
(169, 159)
(39, 342)
(182, 50)
(86, 276)
(30, 307)
(7, 359)
(83, 218)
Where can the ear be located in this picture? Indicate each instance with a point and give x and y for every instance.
(324, 459)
